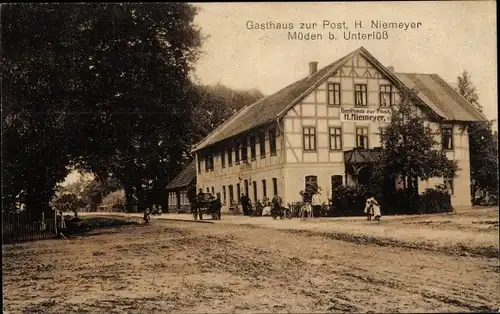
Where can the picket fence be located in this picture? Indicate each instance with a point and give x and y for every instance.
(19, 228)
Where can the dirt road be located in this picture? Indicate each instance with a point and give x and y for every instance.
(176, 266)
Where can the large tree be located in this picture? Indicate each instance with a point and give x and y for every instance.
(104, 87)
(409, 148)
(483, 145)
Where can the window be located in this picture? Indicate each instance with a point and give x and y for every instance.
(252, 148)
(244, 150)
(262, 144)
(213, 190)
(223, 159)
(448, 182)
(334, 94)
(237, 153)
(362, 138)
(209, 163)
(309, 138)
(246, 187)
(335, 138)
(385, 95)
(272, 141)
(311, 183)
(231, 195)
(230, 156)
(238, 190)
(336, 182)
(208, 189)
(360, 95)
(275, 186)
(447, 137)
(264, 188)
(254, 186)
(224, 195)
(199, 164)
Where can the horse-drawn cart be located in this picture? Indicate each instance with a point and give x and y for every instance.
(206, 204)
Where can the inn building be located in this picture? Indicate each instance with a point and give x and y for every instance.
(325, 129)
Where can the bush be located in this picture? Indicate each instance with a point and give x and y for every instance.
(436, 200)
(348, 201)
(114, 199)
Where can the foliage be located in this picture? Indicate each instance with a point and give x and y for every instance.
(483, 144)
(434, 201)
(120, 73)
(96, 189)
(114, 199)
(409, 149)
(308, 192)
(348, 201)
(68, 202)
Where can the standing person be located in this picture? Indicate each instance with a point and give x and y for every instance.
(316, 204)
(372, 208)
(62, 224)
(277, 202)
(244, 203)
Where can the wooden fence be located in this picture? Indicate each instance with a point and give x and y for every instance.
(18, 228)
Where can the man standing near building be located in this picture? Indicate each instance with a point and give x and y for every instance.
(316, 204)
(277, 202)
(245, 202)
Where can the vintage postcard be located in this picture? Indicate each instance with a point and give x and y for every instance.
(301, 157)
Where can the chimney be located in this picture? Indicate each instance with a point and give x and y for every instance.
(390, 68)
(313, 67)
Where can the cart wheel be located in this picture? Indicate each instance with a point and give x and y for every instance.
(288, 214)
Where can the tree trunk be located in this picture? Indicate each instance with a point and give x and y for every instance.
(128, 197)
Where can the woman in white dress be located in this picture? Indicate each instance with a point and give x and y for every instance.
(372, 208)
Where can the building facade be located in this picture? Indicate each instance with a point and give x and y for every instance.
(178, 198)
(305, 132)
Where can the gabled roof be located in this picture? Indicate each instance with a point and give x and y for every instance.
(436, 95)
(434, 90)
(184, 178)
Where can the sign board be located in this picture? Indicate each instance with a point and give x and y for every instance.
(365, 114)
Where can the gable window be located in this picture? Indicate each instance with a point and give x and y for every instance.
(385, 95)
(360, 95)
(237, 153)
(262, 144)
(275, 186)
(223, 159)
(272, 141)
(309, 138)
(252, 148)
(335, 138)
(448, 183)
(230, 156)
(362, 138)
(224, 196)
(334, 94)
(447, 137)
(264, 188)
(244, 149)
(231, 195)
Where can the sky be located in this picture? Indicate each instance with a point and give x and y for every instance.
(453, 36)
